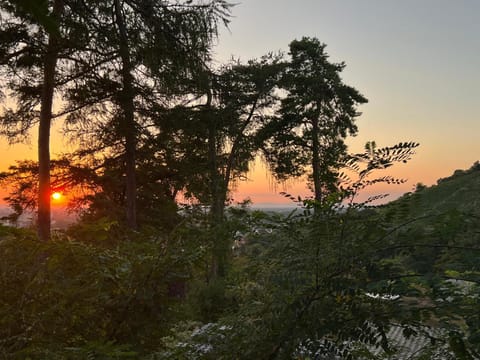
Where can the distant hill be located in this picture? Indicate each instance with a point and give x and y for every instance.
(460, 191)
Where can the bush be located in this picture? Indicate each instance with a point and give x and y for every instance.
(65, 297)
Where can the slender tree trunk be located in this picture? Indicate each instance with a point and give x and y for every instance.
(216, 209)
(217, 205)
(44, 191)
(127, 125)
(317, 181)
(234, 149)
(219, 188)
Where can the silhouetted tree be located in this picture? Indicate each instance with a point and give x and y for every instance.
(31, 42)
(242, 98)
(317, 112)
(150, 53)
(116, 62)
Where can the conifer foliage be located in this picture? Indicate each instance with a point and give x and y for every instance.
(316, 114)
(143, 275)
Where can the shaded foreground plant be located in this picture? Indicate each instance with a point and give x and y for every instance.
(333, 283)
(65, 299)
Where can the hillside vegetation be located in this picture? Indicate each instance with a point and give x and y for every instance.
(460, 192)
(361, 284)
(155, 121)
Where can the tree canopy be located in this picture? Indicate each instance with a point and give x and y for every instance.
(159, 264)
(317, 113)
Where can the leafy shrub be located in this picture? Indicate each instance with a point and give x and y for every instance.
(66, 297)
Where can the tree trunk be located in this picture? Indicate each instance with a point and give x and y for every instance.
(216, 209)
(127, 125)
(217, 194)
(317, 181)
(48, 87)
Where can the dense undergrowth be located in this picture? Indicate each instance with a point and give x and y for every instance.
(152, 116)
(67, 298)
(311, 284)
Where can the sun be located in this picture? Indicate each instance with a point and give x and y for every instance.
(56, 196)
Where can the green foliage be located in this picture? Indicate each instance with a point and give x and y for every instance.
(112, 69)
(332, 279)
(356, 283)
(68, 299)
(308, 284)
(316, 114)
(451, 193)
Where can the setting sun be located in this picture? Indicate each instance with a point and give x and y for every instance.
(56, 196)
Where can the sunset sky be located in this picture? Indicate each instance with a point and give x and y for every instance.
(417, 61)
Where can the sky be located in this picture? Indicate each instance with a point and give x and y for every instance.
(415, 60)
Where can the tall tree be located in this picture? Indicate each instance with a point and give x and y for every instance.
(214, 135)
(127, 125)
(116, 62)
(150, 53)
(317, 112)
(244, 96)
(31, 45)
(48, 87)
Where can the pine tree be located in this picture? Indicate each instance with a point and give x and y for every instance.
(317, 113)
